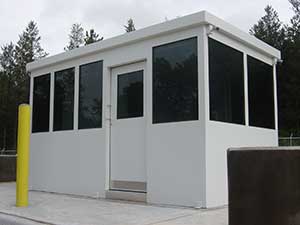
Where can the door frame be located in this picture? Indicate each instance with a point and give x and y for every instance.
(125, 68)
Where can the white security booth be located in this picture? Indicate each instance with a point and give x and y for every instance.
(149, 115)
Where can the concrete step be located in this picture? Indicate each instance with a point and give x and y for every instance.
(126, 195)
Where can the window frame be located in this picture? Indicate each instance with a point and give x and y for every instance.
(74, 99)
(78, 99)
(33, 131)
(273, 92)
(182, 39)
(143, 92)
(245, 76)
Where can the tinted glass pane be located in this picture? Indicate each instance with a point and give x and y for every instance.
(130, 95)
(226, 83)
(260, 94)
(41, 103)
(90, 96)
(64, 100)
(175, 82)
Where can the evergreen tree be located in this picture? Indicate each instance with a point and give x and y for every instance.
(28, 49)
(289, 76)
(8, 59)
(3, 110)
(14, 80)
(294, 29)
(91, 37)
(130, 26)
(7, 96)
(269, 28)
(76, 37)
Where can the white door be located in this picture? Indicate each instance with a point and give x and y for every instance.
(127, 158)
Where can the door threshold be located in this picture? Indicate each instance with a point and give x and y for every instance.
(126, 195)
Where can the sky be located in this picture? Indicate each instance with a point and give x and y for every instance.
(107, 17)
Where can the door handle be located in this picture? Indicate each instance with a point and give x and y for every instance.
(110, 120)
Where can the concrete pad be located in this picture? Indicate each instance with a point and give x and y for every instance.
(207, 217)
(58, 209)
(13, 220)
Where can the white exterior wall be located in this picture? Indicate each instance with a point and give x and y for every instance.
(220, 135)
(77, 161)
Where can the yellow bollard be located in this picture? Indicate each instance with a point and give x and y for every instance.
(23, 155)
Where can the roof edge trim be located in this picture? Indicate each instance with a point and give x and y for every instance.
(175, 25)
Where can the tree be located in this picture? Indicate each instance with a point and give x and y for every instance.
(130, 26)
(28, 49)
(91, 37)
(294, 29)
(14, 80)
(289, 76)
(8, 59)
(269, 28)
(7, 96)
(76, 37)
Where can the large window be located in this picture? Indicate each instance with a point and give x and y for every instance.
(175, 82)
(90, 96)
(260, 94)
(130, 95)
(64, 100)
(226, 83)
(41, 103)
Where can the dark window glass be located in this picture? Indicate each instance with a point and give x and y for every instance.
(260, 94)
(175, 82)
(64, 100)
(226, 83)
(41, 103)
(130, 95)
(90, 96)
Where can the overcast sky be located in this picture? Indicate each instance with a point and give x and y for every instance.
(107, 17)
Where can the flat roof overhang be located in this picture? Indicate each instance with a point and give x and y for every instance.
(172, 26)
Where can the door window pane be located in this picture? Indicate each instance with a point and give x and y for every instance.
(41, 103)
(260, 94)
(226, 83)
(90, 95)
(175, 82)
(130, 95)
(64, 100)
